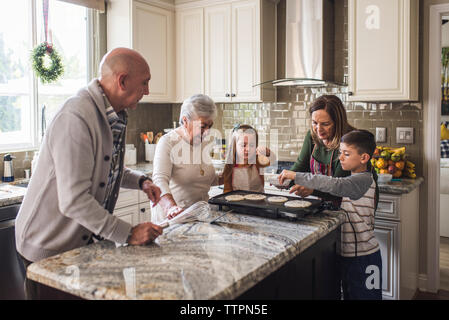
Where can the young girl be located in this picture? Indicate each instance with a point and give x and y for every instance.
(244, 160)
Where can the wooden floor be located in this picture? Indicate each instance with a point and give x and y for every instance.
(444, 263)
(443, 294)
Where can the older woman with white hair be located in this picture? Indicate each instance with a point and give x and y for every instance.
(182, 169)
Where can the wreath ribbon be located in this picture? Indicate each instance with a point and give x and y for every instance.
(53, 72)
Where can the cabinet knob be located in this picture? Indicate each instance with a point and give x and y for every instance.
(142, 210)
(227, 95)
(233, 95)
(350, 93)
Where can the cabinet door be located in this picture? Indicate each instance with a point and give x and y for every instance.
(129, 214)
(383, 50)
(127, 197)
(189, 53)
(245, 51)
(145, 212)
(153, 36)
(387, 233)
(218, 52)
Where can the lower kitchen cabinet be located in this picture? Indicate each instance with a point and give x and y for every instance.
(397, 230)
(129, 214)
(133, 206)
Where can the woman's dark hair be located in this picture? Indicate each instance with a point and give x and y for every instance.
(334, 107)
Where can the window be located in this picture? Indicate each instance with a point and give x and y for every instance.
(22, 95)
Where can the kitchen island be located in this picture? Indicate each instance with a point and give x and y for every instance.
(241, 256)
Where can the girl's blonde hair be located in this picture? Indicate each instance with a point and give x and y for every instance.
(232, 144)
(334, 107)
(231, 152)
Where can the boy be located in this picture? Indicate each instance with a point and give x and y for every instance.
(361, 264)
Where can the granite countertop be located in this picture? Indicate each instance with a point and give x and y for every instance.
(145, 167)
(400, 187)
(189, 261)
(11, 194)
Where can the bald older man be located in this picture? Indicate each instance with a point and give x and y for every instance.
(73, 191)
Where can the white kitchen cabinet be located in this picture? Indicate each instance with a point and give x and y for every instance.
(190, 53)
(383, 50)
(129, 214)
(224, 50)
(133, 206)
(218, 52)
(150, 30)
(239, 50)
(397, 230)
(387, 234)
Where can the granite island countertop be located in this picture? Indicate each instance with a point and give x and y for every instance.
(189, 261)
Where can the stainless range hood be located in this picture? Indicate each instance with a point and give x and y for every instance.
(309, 43)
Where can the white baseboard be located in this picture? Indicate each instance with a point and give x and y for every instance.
(422, 282)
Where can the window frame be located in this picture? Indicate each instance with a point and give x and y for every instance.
(93, 51)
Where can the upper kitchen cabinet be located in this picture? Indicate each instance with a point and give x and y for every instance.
(238, 41)
(383, 50)
(150, 30)
(190, 53)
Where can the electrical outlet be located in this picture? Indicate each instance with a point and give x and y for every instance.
(381, 135)
(404, 135)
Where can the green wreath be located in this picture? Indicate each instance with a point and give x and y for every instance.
(54, 71)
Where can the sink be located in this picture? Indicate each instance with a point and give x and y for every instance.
(23, 185)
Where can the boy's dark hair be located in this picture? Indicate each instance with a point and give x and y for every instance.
(362, 140)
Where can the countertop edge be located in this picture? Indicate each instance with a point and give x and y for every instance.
(280, 260)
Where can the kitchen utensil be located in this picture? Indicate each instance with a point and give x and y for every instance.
(150, 136)
(274, 180)
(199, 211)
(158, 136)
(143, 136)
(221, 216)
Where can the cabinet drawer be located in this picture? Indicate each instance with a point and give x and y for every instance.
(388, 207)
(127, 198)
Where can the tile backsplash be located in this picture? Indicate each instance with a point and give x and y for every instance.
(291, 119)
(20, 163)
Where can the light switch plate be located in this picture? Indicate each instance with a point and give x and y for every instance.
(404, 135)
(381, 135)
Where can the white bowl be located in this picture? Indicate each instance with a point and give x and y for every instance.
(384, 177)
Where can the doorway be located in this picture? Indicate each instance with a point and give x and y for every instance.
(432, 148)
(444, 160)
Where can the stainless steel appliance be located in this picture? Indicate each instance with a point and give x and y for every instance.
(309, 43)
(12, 271)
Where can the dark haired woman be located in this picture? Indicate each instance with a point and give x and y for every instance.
(320, 151)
